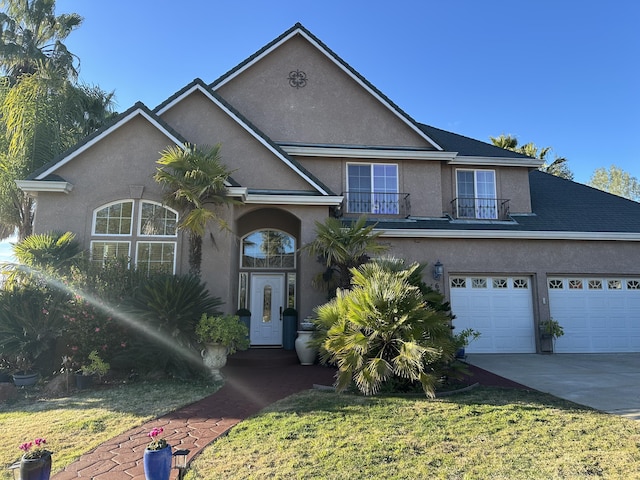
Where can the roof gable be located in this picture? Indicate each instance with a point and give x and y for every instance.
(199, 86)
(137, 111)
(299, 31)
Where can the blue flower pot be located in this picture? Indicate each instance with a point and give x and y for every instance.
(157, 464)
(35, 469)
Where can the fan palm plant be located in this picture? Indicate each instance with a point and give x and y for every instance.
(383, 328)
(342, 247)
(194, 180)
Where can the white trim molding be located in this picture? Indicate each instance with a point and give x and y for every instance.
(266, 199)
(368, 153)
(496, 161)
(35, 186)
(500, 234)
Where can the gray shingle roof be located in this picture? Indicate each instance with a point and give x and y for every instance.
(558, 205)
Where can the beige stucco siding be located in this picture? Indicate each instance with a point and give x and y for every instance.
(202, 122)
(106, 172)
(330, 109)
(536, 258)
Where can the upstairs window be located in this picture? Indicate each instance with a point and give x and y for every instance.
(372, 188)
(476, 194)
(152, 246)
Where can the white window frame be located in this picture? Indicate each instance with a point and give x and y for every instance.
(492, 204)
(155, 242)
(373, 203)
(107, 205)
(135, 238)
(158, 204)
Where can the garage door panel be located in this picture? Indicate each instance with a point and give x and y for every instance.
(501, 313)
(598, 315)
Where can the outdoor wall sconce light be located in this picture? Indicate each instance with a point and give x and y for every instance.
(180, 462)
(438, 270)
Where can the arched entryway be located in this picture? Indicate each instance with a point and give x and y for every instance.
(267, 282)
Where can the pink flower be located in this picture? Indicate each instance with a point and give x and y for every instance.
(26, 446)
(40, 441)
(97, 329)
(74, 349)
(123, 344)
(155, 432)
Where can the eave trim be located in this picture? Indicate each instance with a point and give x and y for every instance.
(498, 234)
(497, 161)
(35, 186)
(381, 153)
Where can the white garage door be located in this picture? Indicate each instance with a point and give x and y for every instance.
(597, 314)
(500, 308)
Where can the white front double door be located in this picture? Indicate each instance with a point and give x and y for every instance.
(267, 304)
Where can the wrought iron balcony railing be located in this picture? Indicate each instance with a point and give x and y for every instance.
(480, 208)
(376, 203)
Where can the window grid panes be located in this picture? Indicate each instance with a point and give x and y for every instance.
(555, 284)
(520, 283)
(458, 282)
(500, 283)
(478, 283)
(372, 188)
(575, 284)
(633, 285)
(115, 219)
(614, 285)
(595, 284)
(103, 251)
(157, 220)
(156, 256)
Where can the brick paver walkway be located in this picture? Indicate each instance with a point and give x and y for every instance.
(253, 379)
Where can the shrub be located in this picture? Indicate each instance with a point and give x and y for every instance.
(162, 316)
(226, 330)
(383, 328)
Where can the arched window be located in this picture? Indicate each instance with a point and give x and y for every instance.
(269, 249)
(151, 245)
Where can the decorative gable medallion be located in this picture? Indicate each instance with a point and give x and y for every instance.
(297, 79)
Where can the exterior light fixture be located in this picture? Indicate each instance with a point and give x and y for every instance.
(180, 462)
(438, 270)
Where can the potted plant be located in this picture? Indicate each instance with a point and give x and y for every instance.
(95, 366)
(221, 335)
(463, 339)
(157, 457)
(35, 463)
(549, 330)
(24, 376)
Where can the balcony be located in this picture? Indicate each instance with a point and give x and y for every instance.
(377, 203)
(465, 208)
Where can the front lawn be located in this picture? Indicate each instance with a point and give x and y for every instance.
(75, 425)
(487, 433)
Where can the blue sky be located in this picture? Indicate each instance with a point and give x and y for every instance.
(560, 74)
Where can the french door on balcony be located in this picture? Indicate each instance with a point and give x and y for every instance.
(477, 194)
(372, 188)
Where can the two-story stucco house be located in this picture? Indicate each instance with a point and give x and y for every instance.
(306, 137)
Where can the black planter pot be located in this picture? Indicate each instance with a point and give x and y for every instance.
(25, 379)
(84, 381)
(36, 469)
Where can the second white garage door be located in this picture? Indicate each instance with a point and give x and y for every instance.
(598, 315)
(500, 308)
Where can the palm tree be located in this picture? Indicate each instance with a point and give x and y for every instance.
(557, 167)
(32, 36)
(40, 117)
(382, 328)
(342, 247)
(194, 179)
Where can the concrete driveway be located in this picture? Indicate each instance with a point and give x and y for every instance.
(607, 382)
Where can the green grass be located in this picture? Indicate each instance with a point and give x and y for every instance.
(487, 433)
(77, 424)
